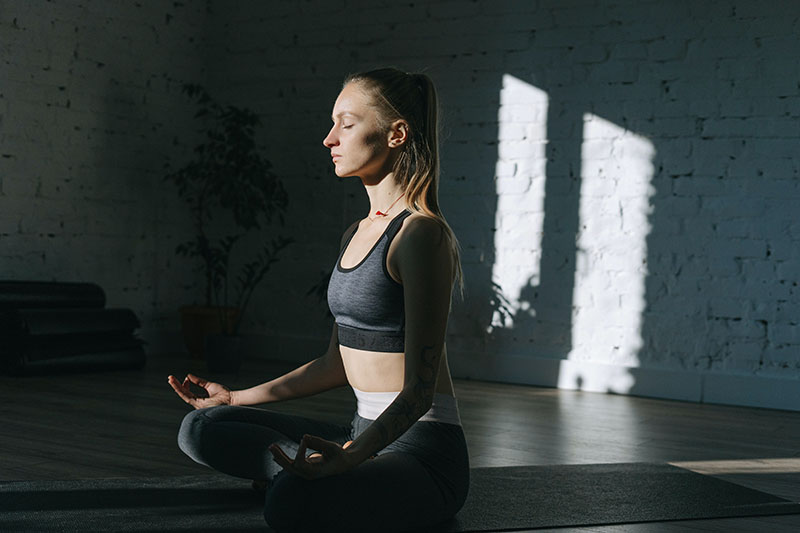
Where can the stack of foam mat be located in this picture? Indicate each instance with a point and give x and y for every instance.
(48, 327)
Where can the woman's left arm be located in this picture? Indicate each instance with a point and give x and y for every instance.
(425, 265)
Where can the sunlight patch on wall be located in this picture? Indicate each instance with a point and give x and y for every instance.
(519, 181)
(611, 255)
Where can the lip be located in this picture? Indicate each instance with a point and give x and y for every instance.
(335, 156)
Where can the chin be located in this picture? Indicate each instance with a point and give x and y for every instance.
(343, 172)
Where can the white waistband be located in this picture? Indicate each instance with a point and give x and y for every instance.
(372, 404)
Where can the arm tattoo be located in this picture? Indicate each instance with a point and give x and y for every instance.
(403, 412)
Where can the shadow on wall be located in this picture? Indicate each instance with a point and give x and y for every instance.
(661, 184)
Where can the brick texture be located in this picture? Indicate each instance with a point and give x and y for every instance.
(625, 171)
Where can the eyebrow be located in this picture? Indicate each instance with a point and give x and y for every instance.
(355, 115)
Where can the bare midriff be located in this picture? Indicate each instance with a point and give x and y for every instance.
(384, 372)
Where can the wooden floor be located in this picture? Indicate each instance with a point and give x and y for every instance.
(123, 424)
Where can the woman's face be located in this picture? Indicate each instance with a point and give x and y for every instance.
(358, 145)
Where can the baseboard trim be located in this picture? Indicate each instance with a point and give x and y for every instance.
(729, 389)
(754, 391)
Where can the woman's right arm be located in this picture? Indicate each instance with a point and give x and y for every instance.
(321, 374)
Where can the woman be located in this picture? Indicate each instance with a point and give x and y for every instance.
(402, 465)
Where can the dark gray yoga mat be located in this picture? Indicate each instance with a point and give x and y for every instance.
(49, 295)
(501, 499)
(201, 504)
(529, 497)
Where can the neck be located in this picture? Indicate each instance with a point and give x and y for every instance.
(383, 197)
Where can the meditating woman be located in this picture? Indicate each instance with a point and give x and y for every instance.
(402, 464)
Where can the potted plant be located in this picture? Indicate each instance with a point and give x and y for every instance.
(227, 177)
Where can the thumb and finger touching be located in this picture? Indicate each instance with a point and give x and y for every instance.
(200, 382)
(322, 445)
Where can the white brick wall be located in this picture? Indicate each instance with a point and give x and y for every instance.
(668, 249)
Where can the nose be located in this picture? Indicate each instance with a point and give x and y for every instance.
(330, 140)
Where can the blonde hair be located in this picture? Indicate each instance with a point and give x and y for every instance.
(412, 98)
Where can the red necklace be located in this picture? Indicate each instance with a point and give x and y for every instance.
(383, 214)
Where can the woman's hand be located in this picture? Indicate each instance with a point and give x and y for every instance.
(216, 394)
(332, 459)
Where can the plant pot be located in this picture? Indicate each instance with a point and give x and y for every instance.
(198, 321)
(223, 353)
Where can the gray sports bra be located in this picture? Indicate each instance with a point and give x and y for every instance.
(366, 302)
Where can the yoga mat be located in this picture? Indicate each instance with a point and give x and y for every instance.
(501, 499)
(74, 321)
(49, 294)
(134, 357)
(58, 346)
(199, 504)
(528, 497)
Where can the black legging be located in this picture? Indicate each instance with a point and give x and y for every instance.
(419, 480)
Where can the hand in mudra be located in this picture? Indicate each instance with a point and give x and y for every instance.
(330, 460)
(216, 394)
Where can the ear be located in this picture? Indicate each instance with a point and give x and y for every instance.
(398, 133)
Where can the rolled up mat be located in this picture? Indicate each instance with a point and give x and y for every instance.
(111, 360)
(48, 294)
(57, 346)
(23, 352)
(72, 321)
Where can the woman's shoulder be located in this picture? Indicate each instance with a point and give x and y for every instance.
(420, 249)
(422, 237)
(423, 228)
